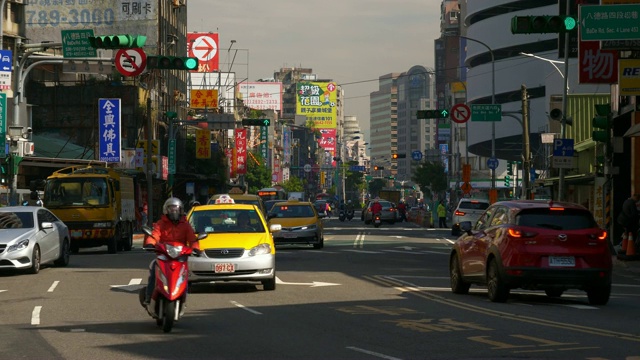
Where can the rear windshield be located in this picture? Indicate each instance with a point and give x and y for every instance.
(568, 219)
(468, 205)
(292, 211)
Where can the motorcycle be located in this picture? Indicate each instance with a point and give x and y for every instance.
(349, 215)
(376, 220)
(342, 215)
(167, 303)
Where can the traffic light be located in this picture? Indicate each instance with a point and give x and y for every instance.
(543, 24)
(117, 41)
(602, 121)
(172, 62)
(376, 167)
(4, 173)
(432, 114)
(509, 168)
(507, 181)
(256, 122)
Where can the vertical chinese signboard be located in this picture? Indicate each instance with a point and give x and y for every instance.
(3, 124)
(241, 151)
(203, 144)
(109, 127)
(597, 66)
(317, 101)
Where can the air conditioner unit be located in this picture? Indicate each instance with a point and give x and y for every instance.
(28, 148)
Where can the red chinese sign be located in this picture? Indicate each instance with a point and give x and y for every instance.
(228, 152)
(597, 66)
(241, 151)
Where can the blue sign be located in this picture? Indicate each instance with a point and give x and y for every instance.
(6, 60)
(563, 147)
(532, 173)
(356, 168)
(492, 163)
(109, 128)
(416, 155)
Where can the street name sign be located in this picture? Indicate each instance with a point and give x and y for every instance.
(75, 44)
(609, 22)
(486, 112)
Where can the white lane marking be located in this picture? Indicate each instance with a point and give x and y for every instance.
(35, 315)
(135, 281)
(245, 308)
(383, 356)
(3, 290)
(53, 286)
(364, 251)
(359, 242)
(311, 284)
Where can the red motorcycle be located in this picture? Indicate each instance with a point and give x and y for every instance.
(170, 292)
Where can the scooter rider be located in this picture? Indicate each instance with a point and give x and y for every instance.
(172, 227)
(349, 206)
(376, 208)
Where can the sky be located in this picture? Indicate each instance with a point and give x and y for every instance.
(352, 42)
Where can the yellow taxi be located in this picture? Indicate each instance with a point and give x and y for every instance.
(242, 198)
(300, 223)
(239, 244)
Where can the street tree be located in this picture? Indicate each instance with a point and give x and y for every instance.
(258, 174)
(293, 184)
(431, 177)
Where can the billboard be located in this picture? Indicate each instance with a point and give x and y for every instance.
(109, 127)
(204, 46)
(261, 95)
(223, 82)
(317, 101)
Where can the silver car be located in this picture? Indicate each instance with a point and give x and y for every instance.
(389, 213)
(31, 236)
(467, 210)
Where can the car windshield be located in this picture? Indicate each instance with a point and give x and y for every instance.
(226, 221)
(473, 205)
(567, 219)
(292, 211)
(16, 220)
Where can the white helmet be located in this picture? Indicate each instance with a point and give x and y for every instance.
(173, 208)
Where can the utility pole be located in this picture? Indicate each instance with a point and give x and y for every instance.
(526, 151)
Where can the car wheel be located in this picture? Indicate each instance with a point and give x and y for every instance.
(35, 260)
(114, 242)
(458, 285)
(270, 285)
(63, 260)
(554, 293)
(75, 248)
(497, 289)
(599, 295)
(319, 244)
(128, 240)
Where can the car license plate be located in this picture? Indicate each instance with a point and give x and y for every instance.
(564, 261)
(289, 235)
(76, 233)
(224, 268)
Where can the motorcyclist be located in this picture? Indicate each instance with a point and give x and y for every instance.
(342, 206)
(172, 227)
(402, 210)
(376, 208)
(349, 206)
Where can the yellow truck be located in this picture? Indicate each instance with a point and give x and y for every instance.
(97, 203)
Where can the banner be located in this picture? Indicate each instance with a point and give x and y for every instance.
(203, 144)
(109, 128)
(317, 101)
(241, 151)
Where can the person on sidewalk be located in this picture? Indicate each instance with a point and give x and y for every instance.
(629, 216)
(442, 215)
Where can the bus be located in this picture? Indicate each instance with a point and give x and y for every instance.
(272, 194)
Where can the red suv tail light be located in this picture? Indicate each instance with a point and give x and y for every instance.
(458, 213)
(602, 235)
(516, 233)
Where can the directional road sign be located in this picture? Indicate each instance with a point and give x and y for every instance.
(416, 155)
(486, 112)
(205, 48)
(460, 113)
(609, 22)
(130, 62)
(75, 44)
(492, 163)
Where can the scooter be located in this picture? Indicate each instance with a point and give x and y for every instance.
(376, 220)
(170, 293)
(349, 215)
(342, 215)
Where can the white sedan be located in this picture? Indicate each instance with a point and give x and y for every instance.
(31, 236)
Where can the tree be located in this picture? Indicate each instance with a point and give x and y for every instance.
(431, 177)
(353, 180)
(376, 185)
(258, 174)
(293, 184)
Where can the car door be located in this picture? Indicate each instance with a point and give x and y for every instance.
(492, 234)
(473, 259)
(48, 238)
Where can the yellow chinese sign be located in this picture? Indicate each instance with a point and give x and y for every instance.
(317, 101)
(201, 99)
(155, 146)
(203, 144)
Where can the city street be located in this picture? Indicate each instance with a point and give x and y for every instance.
(370, 293)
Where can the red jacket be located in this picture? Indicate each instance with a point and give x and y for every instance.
(166, 231)
(376, 208)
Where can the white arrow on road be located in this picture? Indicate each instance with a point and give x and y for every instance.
(133, 286)
(3, 290)
(406, 247)
(311, 284)
(397, 236)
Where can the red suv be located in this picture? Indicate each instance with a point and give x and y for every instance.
(534, 245)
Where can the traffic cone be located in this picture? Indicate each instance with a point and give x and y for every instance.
(625, 241)
(631, 245)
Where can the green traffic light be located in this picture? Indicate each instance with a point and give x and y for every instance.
(191, 63)
(570, 23)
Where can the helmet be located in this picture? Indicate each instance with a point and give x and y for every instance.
(348, 201)
(173, 208)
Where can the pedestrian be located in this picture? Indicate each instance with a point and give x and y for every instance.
(442, 215)
(629, 216)
(144, 214)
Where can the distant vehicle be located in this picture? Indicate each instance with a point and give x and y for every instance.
(535, 245)
(241, 198)
(272, 194)
(389, 213)
(300, 222)
(269, 204)
(31, 236)
(321, 207)
(467, 210)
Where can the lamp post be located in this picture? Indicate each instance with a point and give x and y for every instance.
(493, 101)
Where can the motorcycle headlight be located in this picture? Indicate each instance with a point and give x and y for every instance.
(20, 245)
(174, 251)
(261, 249)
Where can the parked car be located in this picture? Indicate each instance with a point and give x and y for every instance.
(467, 210)
(233, 251)
(300, 223)
(322, 207)
(389, 213)
(535, 245)
(32, 236)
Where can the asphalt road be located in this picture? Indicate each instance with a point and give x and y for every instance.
(369, 294)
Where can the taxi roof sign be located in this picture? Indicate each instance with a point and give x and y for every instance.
(225, 199)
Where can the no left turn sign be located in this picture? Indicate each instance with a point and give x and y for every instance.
(460, 113)
(130, 62)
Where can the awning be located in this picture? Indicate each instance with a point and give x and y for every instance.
(580, 179)
(633, 131)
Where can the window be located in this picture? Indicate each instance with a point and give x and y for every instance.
(500, 217)
(568, 219)
(483, 222)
